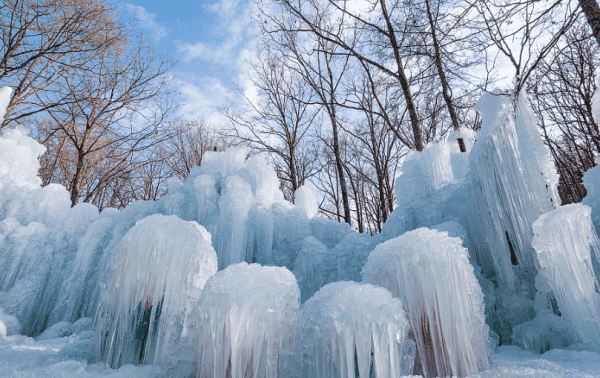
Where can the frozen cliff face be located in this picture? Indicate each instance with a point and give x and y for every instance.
(246, 322)
(564, 241)
(513, 182)
(430, 272)
(349, 330)
(153, 284)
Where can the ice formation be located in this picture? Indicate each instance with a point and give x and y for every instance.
(431, 190)
(153, 286)
(306, 199)
(5, 93)
(563, 240)
(246, 322)
(513, 182)
(352, 330)
(430, 272)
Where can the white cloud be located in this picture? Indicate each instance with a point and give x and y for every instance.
(193, 51)
(149, 22)
(203, 98)
(236, 27)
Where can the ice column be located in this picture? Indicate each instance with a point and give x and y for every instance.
(246, 320)
(350, 329)
(513, 183)
(562, 241)
(430, 272)
(155, 282)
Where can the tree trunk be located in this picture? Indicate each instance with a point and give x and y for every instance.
(592, 13)
(410, 104)
(77, 179)
(339, 166)
(438, 63)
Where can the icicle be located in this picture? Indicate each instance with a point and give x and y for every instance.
(430, 272)
(155, 282)
(246, 322)
(562, 240)
(513, 182)
(350, 329)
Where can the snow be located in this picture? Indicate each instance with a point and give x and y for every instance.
(430, 272)
(346, 322)
(563, 240)
(246, 322)
(154, 282)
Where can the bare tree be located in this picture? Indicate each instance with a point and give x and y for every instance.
(279, 120)
(373, 37)
(524, 32)
(107, 113)
(561, 90)
(43, 41)
(189, 140)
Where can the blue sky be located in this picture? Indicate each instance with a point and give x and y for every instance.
(209, 39)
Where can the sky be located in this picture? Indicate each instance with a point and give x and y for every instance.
(210, 40)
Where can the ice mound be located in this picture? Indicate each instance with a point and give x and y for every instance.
(563, 239)
(9, 325)
(353, 330)
(247, 316)
(546, 331)
(154, 283)
(513, 182)
(430, 272)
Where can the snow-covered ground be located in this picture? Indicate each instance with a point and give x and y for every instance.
(22, 356)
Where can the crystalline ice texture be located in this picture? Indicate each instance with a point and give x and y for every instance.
(562, 240)
(513, 182)
(430, 272)
(246, 320)
(154, 283)
(349, 329)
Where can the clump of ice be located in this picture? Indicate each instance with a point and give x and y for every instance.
(546, 331)
(306, 199)
(247, 316)
(430, 272)
(513, 182)
(155, 282)
(353, 330)
(5, 93)
(9, 325)
(19, 155)
(596, 99)
(563, 239)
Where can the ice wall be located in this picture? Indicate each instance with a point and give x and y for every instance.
(246, 322)
(54, 256)
(430, 272)
(352, 330)
(431, 188)
(513, 182)
(563, 241)
(152, 287)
